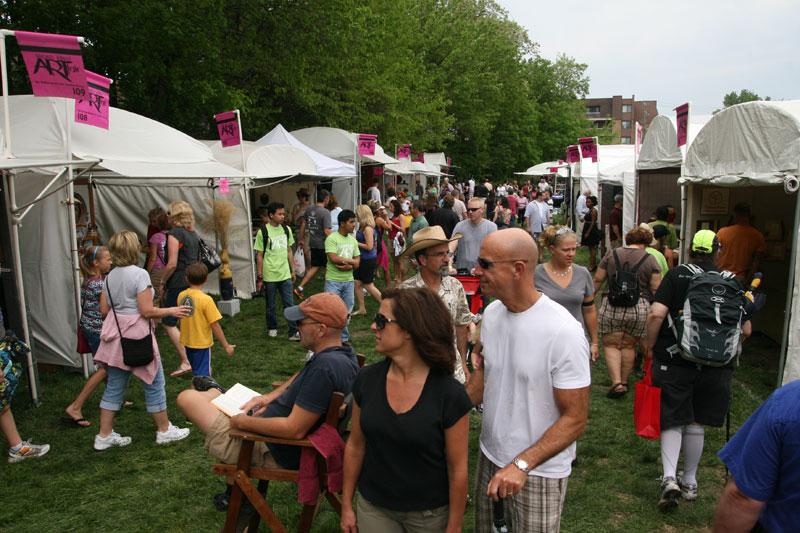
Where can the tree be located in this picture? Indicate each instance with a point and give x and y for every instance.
(744, 96)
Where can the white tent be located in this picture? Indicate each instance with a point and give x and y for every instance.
(265, 160)
(543, 169)
(143, 164)
(660, 147)
(751, 152)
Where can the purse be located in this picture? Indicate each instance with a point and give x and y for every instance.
(135, 352)
(647, 405)
(83, 344)
(209, 256)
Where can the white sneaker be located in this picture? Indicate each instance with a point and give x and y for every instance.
(172, 434)
(26, 450)
(113, 439)
(273, 333)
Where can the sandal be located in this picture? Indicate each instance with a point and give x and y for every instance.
(618, 390)
(180, 372)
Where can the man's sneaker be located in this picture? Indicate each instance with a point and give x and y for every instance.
(113, 439)
(298, 291)
(273, 333)
(295, 337)
(26, 450)
(204, 383)
(688, 490)
(172, 434)
(221, 501)
(670, 491)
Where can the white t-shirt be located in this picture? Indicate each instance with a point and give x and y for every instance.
(471, 185)
(501, 190)
(526, 356)
(125, 283)
(580, 207)
(534, 215)
(545, 208)
(374, 194)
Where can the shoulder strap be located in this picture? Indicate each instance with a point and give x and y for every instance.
(694, 269)
(264, 237)
(108, 289)
(616, 260)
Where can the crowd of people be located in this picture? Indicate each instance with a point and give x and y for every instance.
(410, 418)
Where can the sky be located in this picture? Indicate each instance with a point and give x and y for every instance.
(672, 52)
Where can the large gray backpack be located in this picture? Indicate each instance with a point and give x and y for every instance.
(709, 330)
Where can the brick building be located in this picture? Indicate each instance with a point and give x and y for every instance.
(623, 113)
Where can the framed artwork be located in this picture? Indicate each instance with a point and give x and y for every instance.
(715, 201)
(776, 251)
(712, 224)
(773, 230)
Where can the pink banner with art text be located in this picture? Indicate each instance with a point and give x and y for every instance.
(553, 170)
(224, 186)
(403, 151)
(683, 123)
(638, 137)
(366, 143)
(449, 162)
(228, 127)
(378, 171)
(573, 154)
(417, 156)
(93, 110)
(54, 63)
(588, 148)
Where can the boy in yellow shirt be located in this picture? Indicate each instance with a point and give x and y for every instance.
(203, 320)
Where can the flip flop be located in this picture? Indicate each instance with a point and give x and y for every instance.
(75, 422)
(616, 391)
(180, 372)
(127, 403)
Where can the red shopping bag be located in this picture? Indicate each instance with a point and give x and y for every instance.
(647, 405)
(83, 344)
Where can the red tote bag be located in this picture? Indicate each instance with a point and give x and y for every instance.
(83, 344)
(647, 405)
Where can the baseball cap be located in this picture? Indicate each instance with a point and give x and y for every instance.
(660, 230)
(618, 198)
(703, 241)
(324, 307)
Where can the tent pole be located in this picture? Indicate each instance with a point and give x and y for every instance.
(246, 191)
(4, 71)
(792, 280)
(33, 374)
(241, 144)
(357, 170)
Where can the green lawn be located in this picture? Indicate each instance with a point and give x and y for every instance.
(145, 487)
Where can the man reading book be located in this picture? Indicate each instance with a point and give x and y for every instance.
(294, 409)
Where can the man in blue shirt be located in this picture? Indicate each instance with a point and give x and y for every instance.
(764, 460)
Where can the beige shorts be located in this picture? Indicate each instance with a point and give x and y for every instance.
(155, 281)
(226, 450)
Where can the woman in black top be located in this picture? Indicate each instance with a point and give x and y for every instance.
(591, 234)
(183, 249)
(408, 448)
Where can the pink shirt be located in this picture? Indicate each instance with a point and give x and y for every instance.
(110, 350)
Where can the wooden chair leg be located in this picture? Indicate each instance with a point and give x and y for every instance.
(259, 503)
(263, 485)
(335, 501)
(307, 517)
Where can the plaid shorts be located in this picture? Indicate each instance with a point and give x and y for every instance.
(630, 320)
(536, 509)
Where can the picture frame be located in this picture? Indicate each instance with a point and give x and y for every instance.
(711, 223)
(715, 201)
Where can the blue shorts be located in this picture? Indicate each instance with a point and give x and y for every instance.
(200, 359)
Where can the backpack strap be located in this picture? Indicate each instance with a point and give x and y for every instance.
(264, 238)
(616, 260)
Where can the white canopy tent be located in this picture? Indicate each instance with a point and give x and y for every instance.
(143, 164)
(543, 169)
(751, 152)
(660, 147)
(344, 175)
(265, 160)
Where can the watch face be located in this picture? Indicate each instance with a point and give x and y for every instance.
(522, 465)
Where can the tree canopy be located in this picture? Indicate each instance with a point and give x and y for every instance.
(446, 75)
(744, 96)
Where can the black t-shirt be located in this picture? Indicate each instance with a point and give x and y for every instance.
(444, 217)
(188, 253)
(405, 465)
(481, 191)
(672, 293)
(331, 370)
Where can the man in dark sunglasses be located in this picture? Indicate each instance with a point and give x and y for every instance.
(534, 384)
(472, 232)
(431, 250)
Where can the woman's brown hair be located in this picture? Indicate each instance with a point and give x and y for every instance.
(424, 316)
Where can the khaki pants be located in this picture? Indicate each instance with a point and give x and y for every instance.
(374, 519)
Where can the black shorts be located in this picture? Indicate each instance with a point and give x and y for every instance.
(318, 257)
(171, 300)
(365, 273)
(690, 394)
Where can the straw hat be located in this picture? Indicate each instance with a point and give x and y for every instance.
(427, 237)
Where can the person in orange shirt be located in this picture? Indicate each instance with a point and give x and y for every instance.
(742, 245)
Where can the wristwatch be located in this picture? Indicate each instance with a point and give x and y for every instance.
(522, 465)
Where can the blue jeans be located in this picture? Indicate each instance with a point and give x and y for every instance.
(155, 398)
(284, 289)
(92, 338)
(344, 290)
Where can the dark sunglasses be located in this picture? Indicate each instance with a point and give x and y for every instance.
(485, 263)
(381, 321)
(471, 209)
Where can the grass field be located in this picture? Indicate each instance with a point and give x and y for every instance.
(145, 487)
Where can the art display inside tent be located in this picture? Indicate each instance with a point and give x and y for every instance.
(751, 153)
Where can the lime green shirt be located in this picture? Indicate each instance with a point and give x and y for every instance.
(672, 239)
(275, 266)
(345, 246)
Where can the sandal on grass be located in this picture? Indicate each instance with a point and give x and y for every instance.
(618, 390)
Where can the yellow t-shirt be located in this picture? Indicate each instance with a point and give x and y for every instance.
(196, 328)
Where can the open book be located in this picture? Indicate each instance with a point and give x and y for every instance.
(230, 402)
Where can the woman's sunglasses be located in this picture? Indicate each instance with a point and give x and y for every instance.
(381, 321)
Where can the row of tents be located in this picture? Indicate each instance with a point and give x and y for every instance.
(49, 160)
(746, 153)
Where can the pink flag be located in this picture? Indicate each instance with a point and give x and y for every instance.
(638, 137)
(573, 154)
(224, 187)
(94, 109)
(560, 161)
(418, 156)
(54, 63)
(366, 143)
(403, 150)
(378, 171)
(449, 162)
(683, 123)
(228, 126)
(553, 170)
(588, 148)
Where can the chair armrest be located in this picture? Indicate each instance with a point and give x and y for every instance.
(258, 437)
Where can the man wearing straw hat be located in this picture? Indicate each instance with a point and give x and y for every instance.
(432, 252)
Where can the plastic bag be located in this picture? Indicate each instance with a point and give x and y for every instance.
(299, 263)
(647, 406)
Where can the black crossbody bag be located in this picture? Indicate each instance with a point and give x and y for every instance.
(135, 352)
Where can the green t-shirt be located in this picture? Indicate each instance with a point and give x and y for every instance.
(416, 225)
(275, 266)
(662, 261)
(672, 239)
(345, 246)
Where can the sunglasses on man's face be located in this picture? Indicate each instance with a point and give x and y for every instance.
(485, 263)
(381, 321)
(473, 209)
